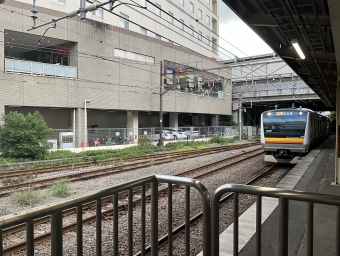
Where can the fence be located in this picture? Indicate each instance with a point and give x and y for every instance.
(210, 234)
(64, 138)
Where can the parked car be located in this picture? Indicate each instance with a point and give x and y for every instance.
(194, 135)
(178, 135)
(166, 135)
(154, 136)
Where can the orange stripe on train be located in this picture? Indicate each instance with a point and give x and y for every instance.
(284, 140)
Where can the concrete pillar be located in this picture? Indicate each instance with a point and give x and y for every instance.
(215, 120)
(2, 113)
(194, 120)
(80, 128)
(201, 120)
(132, 125)
(337, 153)
(173, 120)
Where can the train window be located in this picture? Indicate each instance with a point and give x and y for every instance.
(281, 124)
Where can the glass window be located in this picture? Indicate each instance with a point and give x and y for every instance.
(170, 18)
(199, 14)
(143, 30)
(181, 24)
(61, 1)
(157, 36)
(124, 21)
(208, 1)
(208, 40)
(142, 3)
(191, 30)
(208, 19)
(98, 12)
(283, 124)
(191, 7)
(158, 10)
(199, 35)
(181, 2)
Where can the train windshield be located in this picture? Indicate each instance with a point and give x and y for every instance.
(284, 124)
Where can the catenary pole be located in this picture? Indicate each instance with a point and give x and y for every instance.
(160, 105)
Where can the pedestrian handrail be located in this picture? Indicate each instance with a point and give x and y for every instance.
(284, 197)
(55, 212)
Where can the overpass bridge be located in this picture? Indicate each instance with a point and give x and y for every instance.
(265, 82)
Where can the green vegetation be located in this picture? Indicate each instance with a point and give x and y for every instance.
(221, 140)
(144, 140)
(227, 120)
(61, 189)
(64, 157)
(26, 197)
(151, 162)
(24, 136)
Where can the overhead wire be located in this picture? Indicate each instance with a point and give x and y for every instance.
(105, 58)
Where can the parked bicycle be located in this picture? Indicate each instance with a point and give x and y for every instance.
(118, 140)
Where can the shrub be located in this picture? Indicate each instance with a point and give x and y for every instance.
(218, 139)
(24, 136)
(61, 188)
(26, 197)
(144, 140)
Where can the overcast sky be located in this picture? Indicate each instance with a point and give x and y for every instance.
(236, 32)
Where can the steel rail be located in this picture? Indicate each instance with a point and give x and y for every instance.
(16, 173)
(163, 240)
(109, 212)
(98, 172)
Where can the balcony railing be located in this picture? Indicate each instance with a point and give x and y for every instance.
(275, 92)
(39, 68)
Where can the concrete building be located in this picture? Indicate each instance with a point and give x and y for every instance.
(110, 64)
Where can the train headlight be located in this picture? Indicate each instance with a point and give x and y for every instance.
(268, 114)
(300, 113)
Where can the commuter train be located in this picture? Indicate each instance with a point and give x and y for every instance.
(289, 133)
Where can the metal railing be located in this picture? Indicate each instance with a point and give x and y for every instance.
(64, 138)
(210, 236)
(39, 68)
(284, 197)
(275, 92)
(55, 212)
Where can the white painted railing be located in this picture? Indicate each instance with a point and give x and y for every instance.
(39, 68)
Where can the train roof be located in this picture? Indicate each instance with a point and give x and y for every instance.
(295, 109)
(291, 109)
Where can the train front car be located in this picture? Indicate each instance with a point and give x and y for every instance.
(284, 135)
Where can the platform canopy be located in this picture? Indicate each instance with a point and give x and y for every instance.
(314, 25)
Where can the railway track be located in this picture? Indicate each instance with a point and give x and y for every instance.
(18, 173)
(197, 218)
(105, 171)
(225, 163)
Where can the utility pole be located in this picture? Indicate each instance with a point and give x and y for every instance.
(239, 116)
(160, 143)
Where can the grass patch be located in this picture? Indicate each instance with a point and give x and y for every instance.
(26, 197)
(64, 157)
(203, 146)
(151, 162)
(61, 189)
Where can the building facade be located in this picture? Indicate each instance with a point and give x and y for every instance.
(113, 66)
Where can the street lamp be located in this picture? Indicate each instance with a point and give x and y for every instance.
(85, 121)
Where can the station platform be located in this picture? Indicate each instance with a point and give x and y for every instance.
(314, 173)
